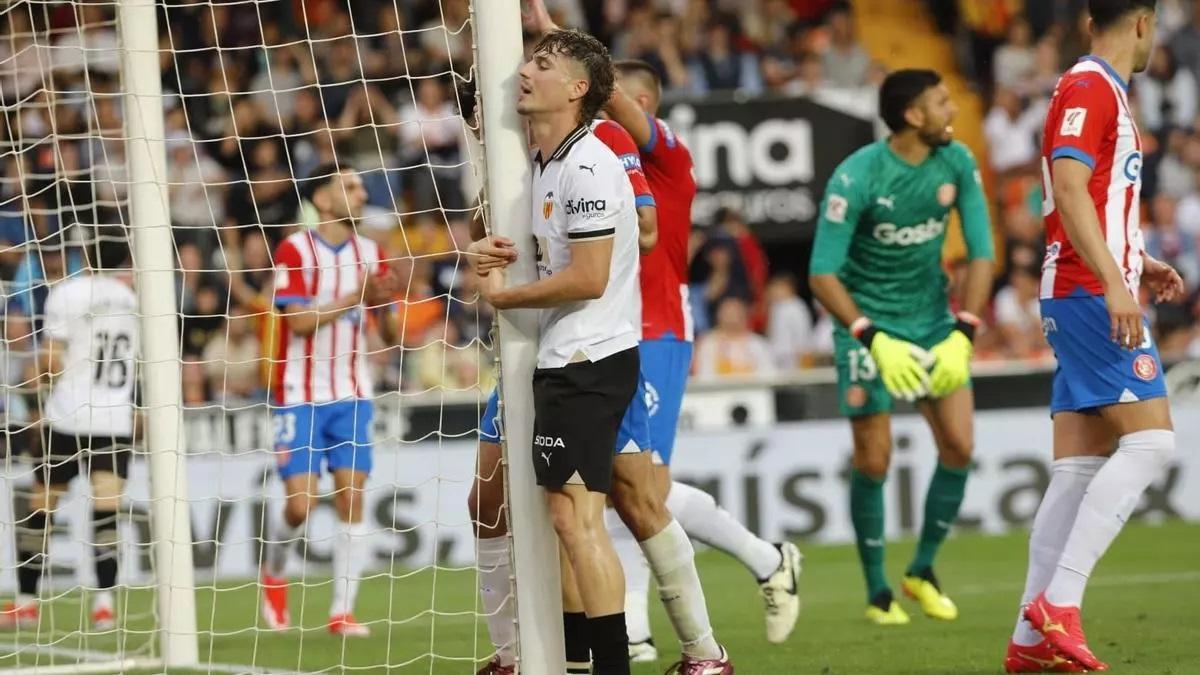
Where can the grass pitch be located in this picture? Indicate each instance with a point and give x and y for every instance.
(1140, 613)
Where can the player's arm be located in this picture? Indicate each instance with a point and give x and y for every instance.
(585, 278)
(647, 228)
(952, 366)
(902, 373)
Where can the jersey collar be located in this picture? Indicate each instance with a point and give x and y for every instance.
(565, 146)
(1112, 72)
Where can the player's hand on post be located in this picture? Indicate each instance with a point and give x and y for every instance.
(1126, 315)
(1162, 279)
(952, 357)
(491, 253)
(900, 363)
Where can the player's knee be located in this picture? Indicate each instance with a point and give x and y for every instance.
(485, 504)
(1158, 443)
(104, 531)
(874, 465)
(956, 452)
(106, 491)
(297, 508)
(349, 505)
(642, 511)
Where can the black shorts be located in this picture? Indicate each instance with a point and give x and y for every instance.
(577, 411)
(66, 455)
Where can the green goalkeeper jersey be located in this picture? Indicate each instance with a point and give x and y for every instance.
(882, 228)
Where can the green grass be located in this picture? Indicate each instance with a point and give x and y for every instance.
(1140, 615)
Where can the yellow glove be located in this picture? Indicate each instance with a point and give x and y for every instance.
(900, 366)
(952, 369)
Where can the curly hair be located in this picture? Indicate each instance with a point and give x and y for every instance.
(593, 56)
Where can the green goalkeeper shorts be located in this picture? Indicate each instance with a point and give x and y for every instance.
(860, 389)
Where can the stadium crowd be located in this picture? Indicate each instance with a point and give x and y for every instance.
(260, 93)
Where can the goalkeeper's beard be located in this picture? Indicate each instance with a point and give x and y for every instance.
(939, 138)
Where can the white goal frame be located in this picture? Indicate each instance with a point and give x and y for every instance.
(499, 55)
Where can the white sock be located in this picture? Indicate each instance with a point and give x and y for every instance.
(1069, 479)
(280, 547)
(673, 562)
(495, 590)
(1112, 495)
(349, 558)
(637, 577)
(102, 599)
(707, 522)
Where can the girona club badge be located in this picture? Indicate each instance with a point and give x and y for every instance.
(946, 194)
(1145, 367)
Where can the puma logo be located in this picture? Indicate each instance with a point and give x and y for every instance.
(546, 456)
(889, 202)
(590, 169)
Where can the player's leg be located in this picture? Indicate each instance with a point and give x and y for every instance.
(107, 466)
(492, 557)
(576, 638)
(348, 434)
(951, 419)
(1126, 387)
(57, 466)
(299, 466)
(1081, 447)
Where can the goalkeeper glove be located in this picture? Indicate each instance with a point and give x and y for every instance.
(953, 357)
(901, 364)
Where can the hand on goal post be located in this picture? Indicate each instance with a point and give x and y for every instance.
(295, 322)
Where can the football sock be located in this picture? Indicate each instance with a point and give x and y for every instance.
(349, 557)
(1069, 478)
(31, 554)
(637, 576)
(576, 639)
(866, 512)
(1110, 498)
(610, 644)
(104, 547)
(942, 501)
(280, 546)
(705, 521)
(672, 560)
(495, 588)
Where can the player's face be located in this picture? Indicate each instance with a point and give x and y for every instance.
(345, 198)
(548, 84)
(937, 111)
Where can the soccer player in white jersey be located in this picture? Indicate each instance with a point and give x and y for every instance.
(1112, 424)
(89, 340)
(326, 279)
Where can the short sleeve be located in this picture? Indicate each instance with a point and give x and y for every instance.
(664, 148)
(623, 146)
(1087, 113)
(57, 320)
(840, 211)
(593, 204)
(290, 287)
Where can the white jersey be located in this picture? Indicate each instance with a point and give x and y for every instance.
(331, 364)
(96, 316)
(582, 194)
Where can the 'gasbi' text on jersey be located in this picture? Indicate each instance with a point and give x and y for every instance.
(96, 316)
(582, 193)
(1090, 121)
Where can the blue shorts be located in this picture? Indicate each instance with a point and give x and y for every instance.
(1093, 371)
(336, 434)
(633, 436)
(665, 366)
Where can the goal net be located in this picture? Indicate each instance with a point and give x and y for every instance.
(256, 96)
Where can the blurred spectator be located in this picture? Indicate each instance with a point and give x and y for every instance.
(717, 273)
(731, 348)
(1168, 243)
(721, 66)
(1166, 93)
(16, 359)
(444, 362)
(1015, 59)
(195, 387)
(845, 61)
(753, 257)
(231, 359)
(789, 324)
(1185, 44)
(1012, 129)
(1174, 170)
(196, 190)
(1017, 314)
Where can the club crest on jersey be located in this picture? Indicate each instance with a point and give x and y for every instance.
(1145, 367)
(946, 194)
(548, 205)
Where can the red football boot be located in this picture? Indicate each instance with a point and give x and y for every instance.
(1040, 658)
(275, 602)
(1063, 629)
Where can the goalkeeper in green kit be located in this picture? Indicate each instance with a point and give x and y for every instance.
(877, 268)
